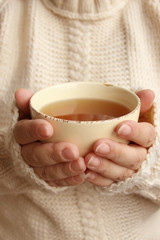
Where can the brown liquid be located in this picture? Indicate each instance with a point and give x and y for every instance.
(85, 109)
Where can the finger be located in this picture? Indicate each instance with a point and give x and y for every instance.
(97, 179)
(129, 156)
(23, 97)
(28, 131)
(46, 154)
(147, 97)
(107, 168)
(70, 181)
(142, 133)
(61, 171)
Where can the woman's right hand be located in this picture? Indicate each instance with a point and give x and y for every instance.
(59, 164)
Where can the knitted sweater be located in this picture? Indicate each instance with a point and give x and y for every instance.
(46, 42)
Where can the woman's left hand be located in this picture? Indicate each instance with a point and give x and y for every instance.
(111, 161)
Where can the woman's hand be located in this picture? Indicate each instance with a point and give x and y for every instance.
(111, 161)
(58, 164)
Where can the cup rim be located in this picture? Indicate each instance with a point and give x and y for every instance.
(84, 122)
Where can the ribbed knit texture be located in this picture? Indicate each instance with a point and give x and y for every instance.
(46, 42)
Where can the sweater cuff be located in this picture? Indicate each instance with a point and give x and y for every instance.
(22, 169)
(146, 181)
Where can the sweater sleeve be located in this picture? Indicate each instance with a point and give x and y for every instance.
(15, 175)
(146, 182)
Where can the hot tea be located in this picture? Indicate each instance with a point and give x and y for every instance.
(85, 109)
(89, 104)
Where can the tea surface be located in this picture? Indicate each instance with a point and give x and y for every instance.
(85, 109)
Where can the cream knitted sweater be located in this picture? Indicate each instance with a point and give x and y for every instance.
(46, 42)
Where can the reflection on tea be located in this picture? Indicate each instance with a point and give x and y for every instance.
(85, 109)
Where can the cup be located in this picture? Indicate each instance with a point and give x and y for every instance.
(84, 133)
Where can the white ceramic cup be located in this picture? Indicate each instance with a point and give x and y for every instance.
(84, 133)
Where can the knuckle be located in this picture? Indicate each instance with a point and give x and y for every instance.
(29, 154)
(150, 138)
(149, 142)
(25, 154)
(124, 174)
(44, 173)
(146, 134)
(136, 164)
(66, 169)
(59, 172)
(50, 153)
(140, 157)
(31, 129)
(58, 151)
(34, 160)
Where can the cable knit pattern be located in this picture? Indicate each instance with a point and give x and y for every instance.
(46, 42)
(79, 51)
(89, 209)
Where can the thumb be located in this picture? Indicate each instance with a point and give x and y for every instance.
(23, 97)
(147, 97)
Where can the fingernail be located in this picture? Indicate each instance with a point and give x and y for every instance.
(77, 165)
(90, 176)
(44, 131)
(68, 154)
(124, 130)
(93, 162)
(103, 149)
